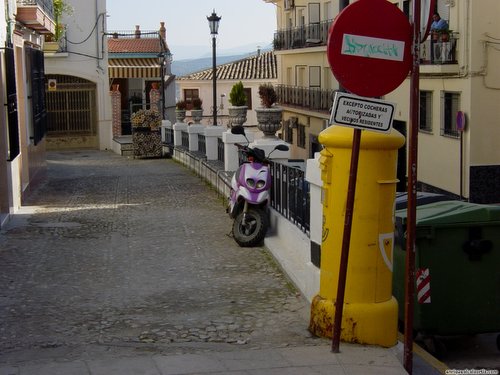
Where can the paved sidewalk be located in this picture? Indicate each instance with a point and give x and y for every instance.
(279, 361)
(123, 266)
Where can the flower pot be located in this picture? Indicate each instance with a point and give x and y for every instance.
(237, 115)
(269, 120)
(197, 115)
(180, 115)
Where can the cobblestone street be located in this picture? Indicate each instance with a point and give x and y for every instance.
(112, 256)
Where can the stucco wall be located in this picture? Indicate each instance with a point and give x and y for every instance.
(87, 60)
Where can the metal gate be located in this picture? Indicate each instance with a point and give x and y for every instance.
(71, 106)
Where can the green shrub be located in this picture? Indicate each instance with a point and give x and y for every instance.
(237, 95)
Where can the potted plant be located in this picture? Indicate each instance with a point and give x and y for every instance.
(238, 108)
(52, 42)
(197, 110)
(269, 115)
(180, 110)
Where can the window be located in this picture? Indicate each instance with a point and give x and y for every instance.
(301, 136)
(450, 105)
(189, 95)
(313, 10)
(289, 4)
(314, 76)
(425, 111)
(300, 75)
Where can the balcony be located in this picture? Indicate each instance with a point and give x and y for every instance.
(37, 15)
(313, 99)
(312, 35)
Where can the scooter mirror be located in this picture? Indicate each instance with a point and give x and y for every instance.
(238, 129)
(282, 147)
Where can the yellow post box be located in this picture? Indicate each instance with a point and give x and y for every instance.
(370, 311)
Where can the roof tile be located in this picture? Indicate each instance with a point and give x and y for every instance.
(134, 45)
(261, 66)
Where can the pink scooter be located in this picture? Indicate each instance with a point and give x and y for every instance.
(249, 199)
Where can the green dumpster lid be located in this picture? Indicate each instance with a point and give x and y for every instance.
(453, 212)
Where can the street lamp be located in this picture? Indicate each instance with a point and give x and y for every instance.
(213, 23)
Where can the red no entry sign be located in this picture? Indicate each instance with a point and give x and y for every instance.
(369, 47)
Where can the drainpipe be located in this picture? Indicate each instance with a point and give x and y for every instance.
(97, 35)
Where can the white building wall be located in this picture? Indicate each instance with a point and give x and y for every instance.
(224, 88)
(87, 58)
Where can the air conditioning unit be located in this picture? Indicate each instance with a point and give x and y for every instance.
(289, 4)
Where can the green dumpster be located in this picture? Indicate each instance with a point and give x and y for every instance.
(457, 263)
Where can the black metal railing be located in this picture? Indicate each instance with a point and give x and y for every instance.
(185, 140)
(169, 136)
(220, 150)
(202, 144)
(315, 99)
(290, 194)
(314, 34)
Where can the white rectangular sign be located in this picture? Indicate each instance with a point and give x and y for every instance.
(375, 48)
(362, 113)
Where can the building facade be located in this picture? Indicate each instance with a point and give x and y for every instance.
(459, 96)
(251, 71)
(459, 92)
(139, 60)
(23, 118)
(305, 82)
(78, 103)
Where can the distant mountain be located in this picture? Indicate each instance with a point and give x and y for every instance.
(198, 52)
(188, 66)
(185, 67)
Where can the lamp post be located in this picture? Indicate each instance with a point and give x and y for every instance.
(213, 23)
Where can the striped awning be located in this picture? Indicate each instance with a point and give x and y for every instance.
(134, 68)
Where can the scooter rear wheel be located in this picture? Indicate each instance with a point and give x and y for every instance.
(253, 232)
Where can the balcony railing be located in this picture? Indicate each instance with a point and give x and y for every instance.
(314, 99)
(438, 52)
(314, 34)
(46, 5)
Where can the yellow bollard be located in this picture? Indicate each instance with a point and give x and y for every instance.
(370, 311)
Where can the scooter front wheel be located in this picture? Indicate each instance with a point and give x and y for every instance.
(250, 230)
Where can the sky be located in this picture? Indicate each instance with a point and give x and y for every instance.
(244, 22)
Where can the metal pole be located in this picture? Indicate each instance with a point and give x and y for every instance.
(412, 192)
(214, 74)
(339, 306)
(346, 241)
(163, 69)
